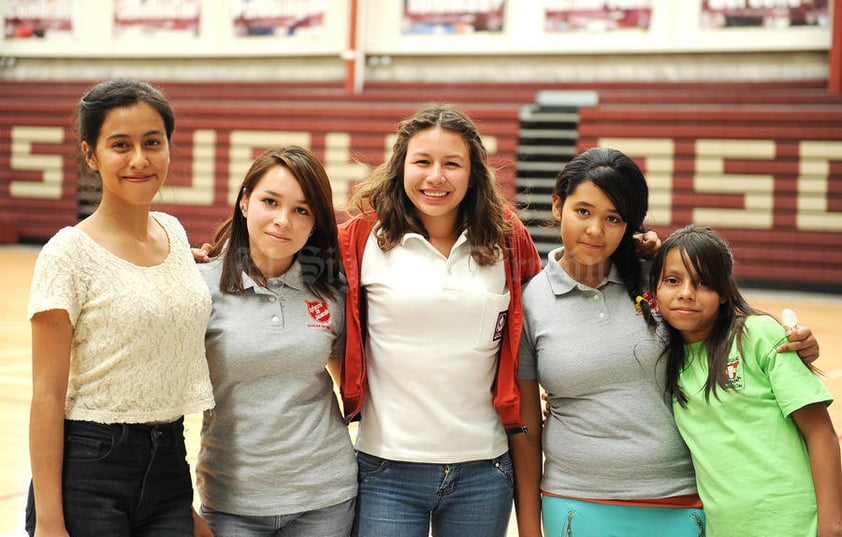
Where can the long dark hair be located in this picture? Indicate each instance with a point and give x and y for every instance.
(621, 180)
(319, 257)
(706, 255)
(482, 211)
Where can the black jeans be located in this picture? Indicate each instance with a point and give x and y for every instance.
(124, 480)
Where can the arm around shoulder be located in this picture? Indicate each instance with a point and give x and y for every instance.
(801, 340)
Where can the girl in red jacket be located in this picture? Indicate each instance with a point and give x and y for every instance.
(435, 261)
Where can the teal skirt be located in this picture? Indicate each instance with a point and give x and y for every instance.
(566, 517)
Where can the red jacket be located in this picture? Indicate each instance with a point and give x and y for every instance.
(522, 262)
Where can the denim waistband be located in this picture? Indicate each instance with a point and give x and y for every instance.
(155, 431)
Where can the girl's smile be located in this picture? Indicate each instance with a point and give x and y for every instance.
(437, 172)
(131, 155)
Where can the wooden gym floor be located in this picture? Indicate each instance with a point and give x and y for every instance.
(821, 312)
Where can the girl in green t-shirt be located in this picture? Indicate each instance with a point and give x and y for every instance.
(766, 456)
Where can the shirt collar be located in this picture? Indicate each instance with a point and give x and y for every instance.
(462, 238)
(561, 282)
(293, 277)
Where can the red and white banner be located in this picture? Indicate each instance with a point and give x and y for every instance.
(34, 19)
(452, 17)
(277, 17)
(596, 15)
(773, 14)
(157, 18)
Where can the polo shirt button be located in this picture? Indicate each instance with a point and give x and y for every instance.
(596, 297)
(602, 315)
(271, 299)
(275, 318)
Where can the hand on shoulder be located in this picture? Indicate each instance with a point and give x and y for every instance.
(200, 255)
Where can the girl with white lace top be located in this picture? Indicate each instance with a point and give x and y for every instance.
(118, 312)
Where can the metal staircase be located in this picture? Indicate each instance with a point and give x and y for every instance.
(546, 142)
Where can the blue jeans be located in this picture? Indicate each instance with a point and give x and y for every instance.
(406, 499)
(333, 521)
(124, 480)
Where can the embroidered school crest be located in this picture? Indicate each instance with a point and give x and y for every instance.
(732, 373)
(318, 311)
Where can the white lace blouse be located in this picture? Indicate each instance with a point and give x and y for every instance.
(138, 352)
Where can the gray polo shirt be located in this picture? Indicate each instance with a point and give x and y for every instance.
(611, 433)
(276, 442)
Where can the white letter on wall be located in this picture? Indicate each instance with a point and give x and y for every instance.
(813, 177)
(339, 167)
(201, 190)
(243, 143)
(758, 189)
(656, 156)
(23, 159)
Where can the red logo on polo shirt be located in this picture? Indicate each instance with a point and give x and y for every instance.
(318, 311)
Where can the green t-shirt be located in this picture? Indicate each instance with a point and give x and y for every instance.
(752, 466)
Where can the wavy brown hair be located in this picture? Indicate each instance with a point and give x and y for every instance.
(482, 212)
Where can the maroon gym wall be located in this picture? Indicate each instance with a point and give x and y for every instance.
(799, 124)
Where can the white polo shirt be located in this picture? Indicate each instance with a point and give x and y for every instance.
(435, 324)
